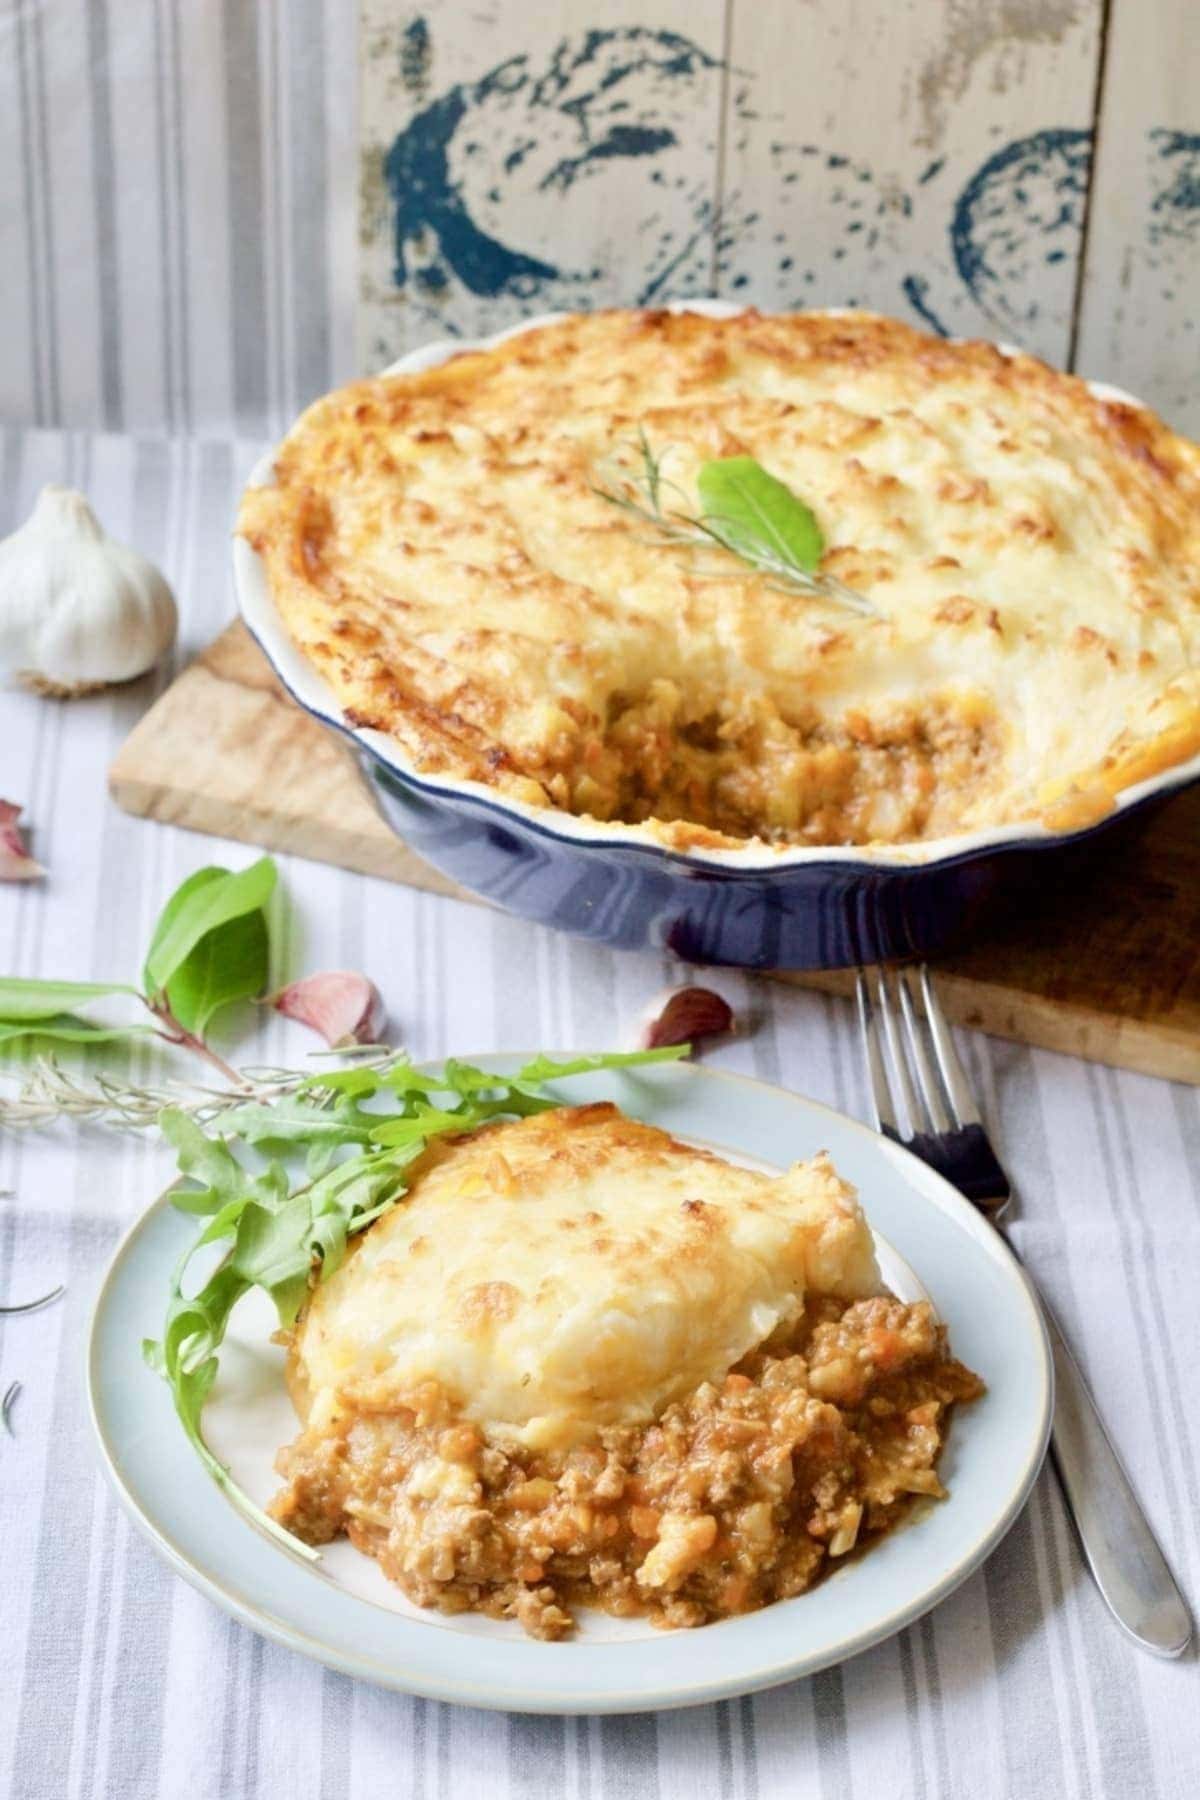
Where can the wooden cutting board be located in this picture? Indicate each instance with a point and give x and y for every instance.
(1108, 970)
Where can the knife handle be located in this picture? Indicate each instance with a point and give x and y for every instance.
(1121, 1550)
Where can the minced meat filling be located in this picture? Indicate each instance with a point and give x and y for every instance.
(900, 773)
(740, 1495)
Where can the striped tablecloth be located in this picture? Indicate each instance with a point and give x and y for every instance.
(118, 1680)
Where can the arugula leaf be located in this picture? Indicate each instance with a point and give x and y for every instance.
(352, 1081)
(352, 1197)
(208, 1161)
(286, 1239)
(403, 1080)
(756, 516)
(544, 1068)
(273, 1251)
(209, 899)
(437, 1121)
(219, 1179)
(186, 1359)
(297, 1121)
(22, 1000)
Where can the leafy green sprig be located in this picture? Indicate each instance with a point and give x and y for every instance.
(209, 949)
(745, 511)
(355, 1132)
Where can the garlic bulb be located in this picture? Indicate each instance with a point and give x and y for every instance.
(78, 611)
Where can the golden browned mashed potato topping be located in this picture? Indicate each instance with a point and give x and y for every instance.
(437, 545)
(585, 1364)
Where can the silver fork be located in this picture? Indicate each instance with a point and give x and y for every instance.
(938, 1120)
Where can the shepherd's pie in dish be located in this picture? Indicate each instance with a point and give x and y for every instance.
(468, 555)
(583, 1363)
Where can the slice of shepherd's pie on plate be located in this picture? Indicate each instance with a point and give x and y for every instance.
(565, 1366)
(585, 1364)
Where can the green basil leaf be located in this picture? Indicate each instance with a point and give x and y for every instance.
(207, 900)
(166, 919)
(230, 964)
(66, 1028)
(757, 516)
(22, 1000)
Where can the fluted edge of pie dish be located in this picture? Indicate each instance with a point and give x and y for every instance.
(397, 782)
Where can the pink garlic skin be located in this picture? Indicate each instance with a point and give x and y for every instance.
(685, 1016)
(344, 1007)
(16, 864)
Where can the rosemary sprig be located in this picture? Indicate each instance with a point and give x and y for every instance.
(7, 1404)
(32, 1306)
(47, 1092)
(746, 512)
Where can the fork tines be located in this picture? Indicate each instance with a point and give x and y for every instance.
(912, 1060)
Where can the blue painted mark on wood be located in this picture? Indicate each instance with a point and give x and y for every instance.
(620, 140)
(915, 289)
(767, 245)
(1023, 207)
(415, 53)
(427, 199)
(480, 177)
(1172, 241)
(531, 130)
(1175, 208)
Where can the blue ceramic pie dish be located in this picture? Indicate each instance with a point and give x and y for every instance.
(758, 908)
(813, 915)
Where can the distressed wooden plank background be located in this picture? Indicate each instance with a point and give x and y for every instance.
(931, 159)
(1140, 294)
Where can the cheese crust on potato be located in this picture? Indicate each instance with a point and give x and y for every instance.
(439, 546)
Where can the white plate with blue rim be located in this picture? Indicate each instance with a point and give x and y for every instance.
(343, 1612)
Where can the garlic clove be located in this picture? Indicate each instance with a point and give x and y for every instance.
(16, 864)
(344, 1007)
(78, 610)
(684, 1016)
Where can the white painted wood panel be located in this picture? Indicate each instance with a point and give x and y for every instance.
(1141, 293)
(930, 159)
(927, 159)
(518, 159)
